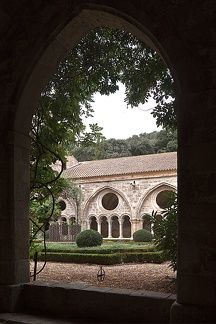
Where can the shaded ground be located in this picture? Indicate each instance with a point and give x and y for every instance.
(147, 276)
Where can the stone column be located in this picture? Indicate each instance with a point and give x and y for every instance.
(134, 226)
(85, 225)
(99, 226)
(196, 293)
(109, 228)
(121, 228)
(14, 211)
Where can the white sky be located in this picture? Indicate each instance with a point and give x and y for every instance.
(118, 121)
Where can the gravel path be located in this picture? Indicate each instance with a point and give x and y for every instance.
(147, 276)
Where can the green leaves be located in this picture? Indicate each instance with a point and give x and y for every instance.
(166, 231)
(155, 142)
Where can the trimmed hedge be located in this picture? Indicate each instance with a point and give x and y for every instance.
(89, 238)
(142, 235)
(105, 259)
(102, 251)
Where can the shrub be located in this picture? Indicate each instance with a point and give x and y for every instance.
(166, 231)
(142, 235)
(89, 238)
(108, 259)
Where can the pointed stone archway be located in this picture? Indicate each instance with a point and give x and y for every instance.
(183, 32)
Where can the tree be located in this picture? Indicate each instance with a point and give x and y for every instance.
(155, 142)
(140, 145)
(165, 229)
(166, 141)
(73, 192)
(131, 62)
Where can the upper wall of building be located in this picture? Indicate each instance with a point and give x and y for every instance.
(123, 168)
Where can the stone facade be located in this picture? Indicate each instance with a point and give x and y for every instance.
(116, 204)
(35, 37)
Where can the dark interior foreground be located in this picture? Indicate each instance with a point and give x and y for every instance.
(35, 36)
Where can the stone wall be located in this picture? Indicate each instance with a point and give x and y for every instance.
(135, 196)
(97, 304)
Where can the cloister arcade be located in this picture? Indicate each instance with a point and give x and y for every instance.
(117, 210)
(113, 227)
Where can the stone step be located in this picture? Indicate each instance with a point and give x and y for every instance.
(34, 319)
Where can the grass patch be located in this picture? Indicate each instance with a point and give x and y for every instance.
(108, 253)
(104, 248)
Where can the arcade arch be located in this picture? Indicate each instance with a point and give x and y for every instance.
(107, 204)
(149, 201)
(126, 226)
(68, 211)
(93, 223)
(114, 227)
(153, 200)
(104, 228)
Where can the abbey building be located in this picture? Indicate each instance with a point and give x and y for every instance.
(116, 194)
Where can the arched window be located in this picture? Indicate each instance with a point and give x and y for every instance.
(115, 227)
(126, 227)
(73, 220)
(104, 227)
(63, 219)
(93, 224)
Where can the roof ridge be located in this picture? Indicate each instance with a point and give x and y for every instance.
(127, 157)
(116, 166)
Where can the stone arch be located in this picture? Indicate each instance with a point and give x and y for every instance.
(147, 202)
(104, 226)
(97, 197)
(53, 43)
(126, 226)
(72, 220)
(63, 218)
(70, 209)
(93, 224)
(115, 232)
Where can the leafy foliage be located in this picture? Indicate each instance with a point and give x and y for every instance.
(35, 246)
(108, 56)
(89, 238)
(166, 231)
(41, 212)
(104, 248)
(112, 253)
(155, 142)
(142, 235)
(73, 192)
(108, 259)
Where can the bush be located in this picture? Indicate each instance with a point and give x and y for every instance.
(108, 259)
(89, 238)
(166, 230)
(142, 235)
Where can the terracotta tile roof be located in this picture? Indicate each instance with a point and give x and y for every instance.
(123, 165)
